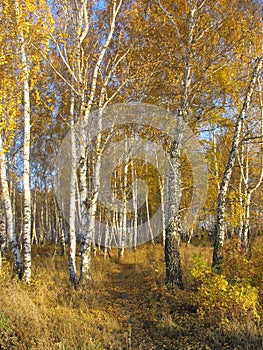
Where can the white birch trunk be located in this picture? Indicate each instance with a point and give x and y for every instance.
(107, 236)
(62, 231)
(3, 238)
(34, 219)
(241, 164)
(72, 204)
(26, 154)
(245, 237)
(124, 185)
(88, 228)
(135, 207)
(148, 217)
(26, 175)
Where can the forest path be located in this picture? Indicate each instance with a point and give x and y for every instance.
(130, 296)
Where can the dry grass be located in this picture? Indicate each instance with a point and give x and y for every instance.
(50, 314)
(125, 296)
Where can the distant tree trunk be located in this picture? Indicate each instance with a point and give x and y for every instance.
(148, 217)
(220, 225)
(135, 207)
(215, 160)
(3, 240)
(2, 231)
(107, 234)
(124, 183)
(245, 233)
(163, 213)
(62, 230)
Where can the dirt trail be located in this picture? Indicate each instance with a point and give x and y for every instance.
(129, 291)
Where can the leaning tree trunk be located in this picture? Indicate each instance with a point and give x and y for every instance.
(250, 189)
(221, 209)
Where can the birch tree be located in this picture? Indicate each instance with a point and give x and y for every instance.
(198, 76)
(25, 18)
(190, 31)
(26, 148)
(87, 70)
(9, 116)
(220, 225)
(248, 176)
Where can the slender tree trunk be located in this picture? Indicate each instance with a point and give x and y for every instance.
(3, 240)
(124, 184)
(245, 234)
(26, 177)
(241, 179)
(107, 235)
(220, 225)
(149, 217)
(34, 219)
(26, 153)
(135, 207)
(72, 205)
(62, 230)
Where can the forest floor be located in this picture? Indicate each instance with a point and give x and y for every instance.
(128, 297)
(125, 307)
(145, 307)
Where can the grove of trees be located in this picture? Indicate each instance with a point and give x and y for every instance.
(62, 60)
